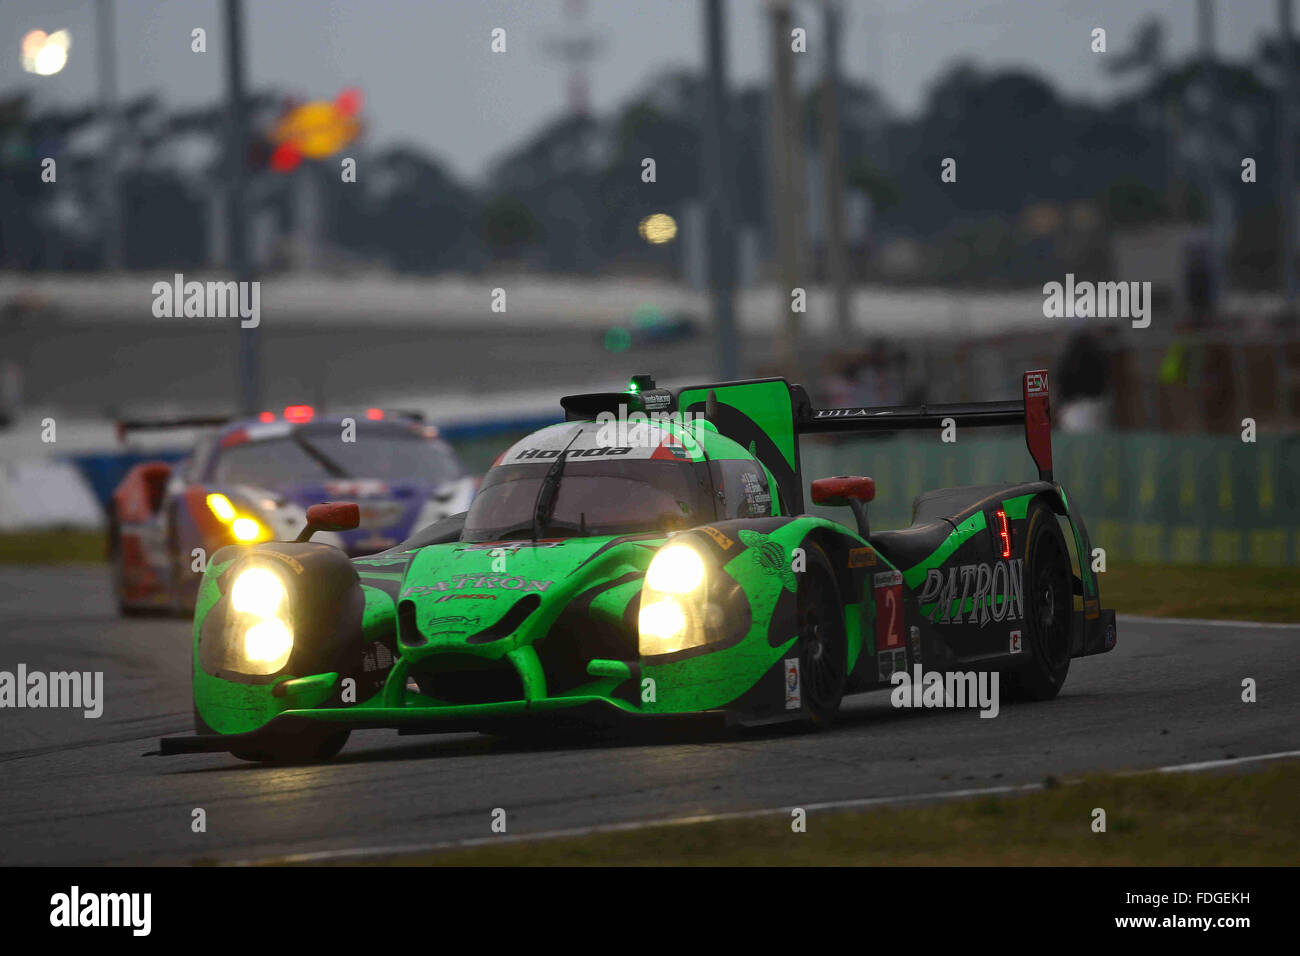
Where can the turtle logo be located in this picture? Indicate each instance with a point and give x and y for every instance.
(771, 557)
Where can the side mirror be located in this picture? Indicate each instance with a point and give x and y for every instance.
(851, 490)
(330, 516)
(837, 491)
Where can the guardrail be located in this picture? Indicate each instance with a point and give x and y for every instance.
(1145, 496)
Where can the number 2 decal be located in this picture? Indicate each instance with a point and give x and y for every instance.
(888, 587)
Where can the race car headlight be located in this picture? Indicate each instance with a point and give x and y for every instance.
(268, 643)
(257, 591)
(676, 569)
(673, 601)
(259, 638)
(666, 626)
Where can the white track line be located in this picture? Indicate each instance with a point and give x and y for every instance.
(1253, 625)
(325, 856)
(1230, 762)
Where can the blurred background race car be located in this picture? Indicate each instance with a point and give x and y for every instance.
(253, 480)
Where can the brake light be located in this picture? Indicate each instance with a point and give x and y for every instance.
(266, 417)
(1004, 532)
(374, 414)
(299, 413)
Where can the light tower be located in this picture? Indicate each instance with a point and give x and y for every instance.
(576, 48)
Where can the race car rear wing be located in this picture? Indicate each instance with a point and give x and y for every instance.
(768, 416)
(1033, 409)
(122, 426)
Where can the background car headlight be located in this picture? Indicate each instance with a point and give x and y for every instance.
(243, 528)
(246, 529)
(676, 569)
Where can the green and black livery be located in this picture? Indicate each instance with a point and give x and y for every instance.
(651, 557)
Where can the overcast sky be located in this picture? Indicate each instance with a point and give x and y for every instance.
(428, 75)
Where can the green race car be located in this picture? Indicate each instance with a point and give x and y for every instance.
(648, 557)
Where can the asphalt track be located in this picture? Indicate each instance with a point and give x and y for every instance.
(80, 791)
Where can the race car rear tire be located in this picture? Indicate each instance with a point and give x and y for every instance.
(313, 744)
(823, 641)
(1049, 606)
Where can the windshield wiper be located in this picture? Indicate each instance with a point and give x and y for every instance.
(329, 464)
(550, 490)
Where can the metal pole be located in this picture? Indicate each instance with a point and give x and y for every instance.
(784, 146)
(833, 174)
(237, 256)
(1286, 143)
(721, 225)
(111, 210)
(1209, 168)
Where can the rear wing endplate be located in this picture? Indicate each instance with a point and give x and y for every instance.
(1033, 409)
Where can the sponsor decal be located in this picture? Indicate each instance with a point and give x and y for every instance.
(452, 623)
(888, 588)
(720, 539)
(656, 400)
(1092, 609)
(914, 642)
(292, 562)
(995, 592)
(512, 546)
(1036, 383)
(1110, 636)
(757, 498)
(1016, 647)
(771, 557)
(862, 558)
(478, 582)
(891, 661)
(793, 699)
(546, 454)
(377, 657)
(465, 597)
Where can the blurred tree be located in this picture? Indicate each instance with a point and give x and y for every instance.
(509, 226)
(1127, 203)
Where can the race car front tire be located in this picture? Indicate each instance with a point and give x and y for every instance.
(823, 641)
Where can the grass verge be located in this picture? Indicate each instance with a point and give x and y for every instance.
(1216, 593)
(55, 546)
(1185, 819)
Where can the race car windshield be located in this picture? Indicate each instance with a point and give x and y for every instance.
(594, 498)
(317, 456)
